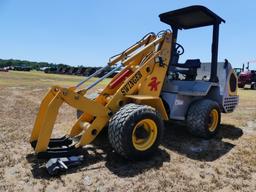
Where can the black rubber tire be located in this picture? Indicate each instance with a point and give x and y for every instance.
(253, 86)
(121, 126)
(198, 118)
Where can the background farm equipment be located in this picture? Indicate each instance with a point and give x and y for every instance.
(247, 77)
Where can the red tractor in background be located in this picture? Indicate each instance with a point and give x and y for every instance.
(247, 77)
(238, 70)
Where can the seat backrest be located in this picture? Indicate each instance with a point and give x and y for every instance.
(190, 63)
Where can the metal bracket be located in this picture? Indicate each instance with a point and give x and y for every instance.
(57, 165)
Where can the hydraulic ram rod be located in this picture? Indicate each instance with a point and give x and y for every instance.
(92, 75)
(104, 77)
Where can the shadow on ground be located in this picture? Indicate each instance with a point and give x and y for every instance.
(106, 158)
(175, 138)
(178, 140)
(125, 168)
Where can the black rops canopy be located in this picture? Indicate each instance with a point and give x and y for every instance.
(191, 17)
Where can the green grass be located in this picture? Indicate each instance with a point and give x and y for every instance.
(35, 78)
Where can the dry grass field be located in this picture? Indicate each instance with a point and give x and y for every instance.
(183, 163)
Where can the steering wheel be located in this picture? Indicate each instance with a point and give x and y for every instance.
(179, 49)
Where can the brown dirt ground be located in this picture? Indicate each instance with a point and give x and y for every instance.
(183, 162)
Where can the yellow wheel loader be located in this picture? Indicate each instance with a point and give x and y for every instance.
(150, 87)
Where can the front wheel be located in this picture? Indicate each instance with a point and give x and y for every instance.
(203, 118)
(135, 131)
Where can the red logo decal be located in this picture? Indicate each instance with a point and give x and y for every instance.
(153, 84)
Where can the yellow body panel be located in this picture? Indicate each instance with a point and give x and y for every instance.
(98, 124)
(147, 62)
(48, 123)
(155, 102)
(41, 115)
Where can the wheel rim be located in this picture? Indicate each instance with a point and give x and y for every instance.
(213, 120)
(144, 134)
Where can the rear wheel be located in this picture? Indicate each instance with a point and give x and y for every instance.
(203, 118)
(135, 131)
(253, 86)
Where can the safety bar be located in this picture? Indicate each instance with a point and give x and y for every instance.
(104, 77)
(92, 75)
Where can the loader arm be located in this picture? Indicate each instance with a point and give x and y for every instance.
(143, 69)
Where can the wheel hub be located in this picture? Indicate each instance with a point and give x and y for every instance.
(213, 120)
(144, 134)
(141, 133)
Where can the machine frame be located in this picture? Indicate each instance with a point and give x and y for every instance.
(138, 98)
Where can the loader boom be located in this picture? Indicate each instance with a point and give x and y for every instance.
(144, 66)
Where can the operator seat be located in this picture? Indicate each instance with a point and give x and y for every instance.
(189, 68)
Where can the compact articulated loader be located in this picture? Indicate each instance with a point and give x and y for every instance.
(151, 87)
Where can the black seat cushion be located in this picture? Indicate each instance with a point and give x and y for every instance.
(190, 63)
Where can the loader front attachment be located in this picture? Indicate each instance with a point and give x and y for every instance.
(40, 137)
(135, 65)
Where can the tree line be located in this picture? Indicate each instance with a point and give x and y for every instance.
(29, 64)
(23, 65)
